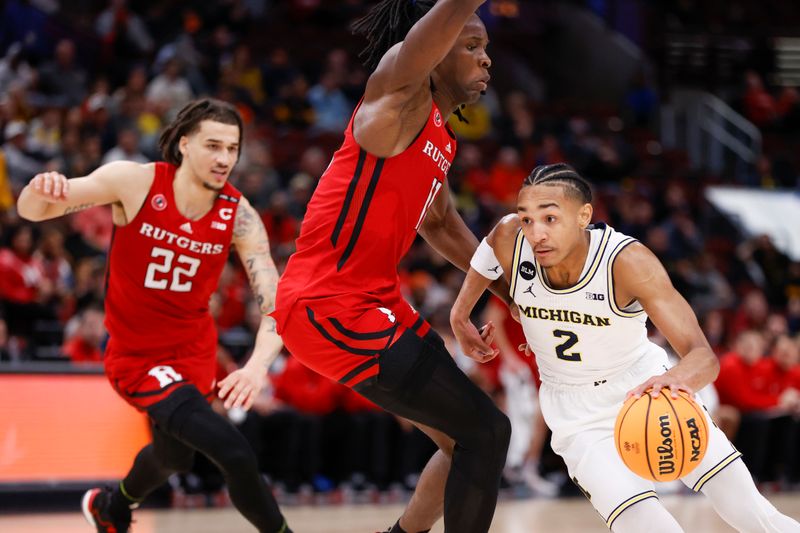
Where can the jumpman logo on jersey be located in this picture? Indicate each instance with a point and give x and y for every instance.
(493, 269)
(530, 290)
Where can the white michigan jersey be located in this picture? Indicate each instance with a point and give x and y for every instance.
(579, 334)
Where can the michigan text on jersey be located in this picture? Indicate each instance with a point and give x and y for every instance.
(564, 315)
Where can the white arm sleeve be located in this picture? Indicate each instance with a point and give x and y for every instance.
(485, 263)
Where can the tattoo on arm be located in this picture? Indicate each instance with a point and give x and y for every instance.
(253, 245)
(246, 221)
(76, 208)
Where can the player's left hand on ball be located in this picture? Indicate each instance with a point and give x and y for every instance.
(656, 383)
(241, 388)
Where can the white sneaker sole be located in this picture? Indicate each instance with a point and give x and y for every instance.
(87, 513)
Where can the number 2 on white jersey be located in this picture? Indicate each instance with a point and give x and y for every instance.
(164, 265)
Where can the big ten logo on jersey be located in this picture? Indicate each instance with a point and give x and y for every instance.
(166, 375)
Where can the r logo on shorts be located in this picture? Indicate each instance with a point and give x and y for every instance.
(165, 375)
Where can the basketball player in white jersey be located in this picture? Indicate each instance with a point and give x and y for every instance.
(584, 294)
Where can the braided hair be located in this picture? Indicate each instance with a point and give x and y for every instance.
(563, 175)
(387, 24)
(188, 121)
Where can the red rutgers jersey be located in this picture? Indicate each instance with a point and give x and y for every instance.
(163, 269)
(363, 217)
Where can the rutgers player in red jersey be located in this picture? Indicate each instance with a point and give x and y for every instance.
(339, 307)
(174, 224)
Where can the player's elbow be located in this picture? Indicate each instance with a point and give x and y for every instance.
(28, 213)
(712, 362)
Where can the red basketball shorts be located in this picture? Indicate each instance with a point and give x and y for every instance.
(143, 379)
(342, 339)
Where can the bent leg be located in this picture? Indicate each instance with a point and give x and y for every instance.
(737, 501)
(192, 421)
(419, 380)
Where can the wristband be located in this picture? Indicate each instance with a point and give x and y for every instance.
(485, 263)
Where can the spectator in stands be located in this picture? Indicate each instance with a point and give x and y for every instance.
(19, 165)
(23, 285)
(89, 282)
(63, 81)
(246, 75)
(293, 110)
(759, 104)
(95, 227)
(124, 35)
(282, 227)
(751, 314)
(640, 106)
(85, 335)
(714, 330)
(54, 260)
(332, 109)
(15, 68)
(127, 148)
(44, 134)
(766, 266)
(516, 125)
(170, 88)
(506, 175)
(745, 383)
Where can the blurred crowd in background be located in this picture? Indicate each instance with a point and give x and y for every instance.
(93, 82)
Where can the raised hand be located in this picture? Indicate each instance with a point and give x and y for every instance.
(50, 186)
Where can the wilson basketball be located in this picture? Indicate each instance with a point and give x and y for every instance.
(661, 439)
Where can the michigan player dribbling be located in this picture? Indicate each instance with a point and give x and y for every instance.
(584, 293)
(339, 307)
(174, 224)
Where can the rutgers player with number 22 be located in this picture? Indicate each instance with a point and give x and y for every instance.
(174, 224)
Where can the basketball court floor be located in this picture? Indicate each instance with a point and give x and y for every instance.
(520, 516)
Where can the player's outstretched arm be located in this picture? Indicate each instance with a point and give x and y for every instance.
(474, 343)
(409, 64)
(51, 195)
(639, 275)
(445, 231)
(252, 244)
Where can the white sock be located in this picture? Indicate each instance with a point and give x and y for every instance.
(737, 501)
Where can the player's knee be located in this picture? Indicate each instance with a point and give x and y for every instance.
(237, 460)
(502, 430)
(181, 463)
(491, 434)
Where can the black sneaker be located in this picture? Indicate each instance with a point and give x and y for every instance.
(96, 506)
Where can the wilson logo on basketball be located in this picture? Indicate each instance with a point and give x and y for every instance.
(159, 202)
(666, 455)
